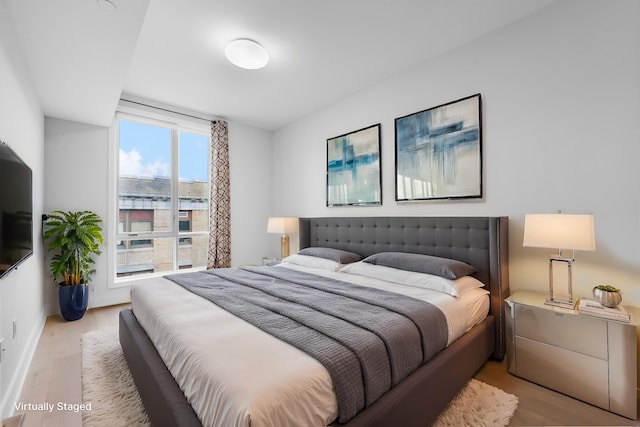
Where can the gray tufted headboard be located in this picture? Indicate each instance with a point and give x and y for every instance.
(479, 241)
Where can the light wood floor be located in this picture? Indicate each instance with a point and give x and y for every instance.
(54, 376)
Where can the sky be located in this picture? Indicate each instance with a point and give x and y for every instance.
(145, 151)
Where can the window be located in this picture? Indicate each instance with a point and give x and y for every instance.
(162, 197)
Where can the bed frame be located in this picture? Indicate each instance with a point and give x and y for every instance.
(479, 241)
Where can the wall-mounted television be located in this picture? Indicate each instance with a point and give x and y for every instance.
(16, 210)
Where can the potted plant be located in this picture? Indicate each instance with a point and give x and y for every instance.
(607, 295)
(74, 237)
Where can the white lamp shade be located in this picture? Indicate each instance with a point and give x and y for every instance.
(560, 231)
(246, 53)
(282, 225)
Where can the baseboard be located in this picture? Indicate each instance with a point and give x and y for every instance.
(106, 301)
(16, 382)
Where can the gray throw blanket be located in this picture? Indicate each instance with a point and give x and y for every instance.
(368, 339)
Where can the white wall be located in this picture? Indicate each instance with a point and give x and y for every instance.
(77, 178)
(251, 190)
(21, 292)
(561, 101)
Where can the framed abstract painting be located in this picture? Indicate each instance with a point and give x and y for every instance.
(439, 152)
(353, 168)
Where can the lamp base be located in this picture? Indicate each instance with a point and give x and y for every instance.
(559, 303)
(284, 246)
(564, 303)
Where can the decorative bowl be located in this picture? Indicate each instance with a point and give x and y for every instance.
(606, 298)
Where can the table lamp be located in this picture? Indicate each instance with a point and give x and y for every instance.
(560, 231)
(283, 226)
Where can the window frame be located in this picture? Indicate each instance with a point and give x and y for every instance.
(176, 125)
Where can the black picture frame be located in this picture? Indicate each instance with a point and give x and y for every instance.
(438, 152)
(354, 175)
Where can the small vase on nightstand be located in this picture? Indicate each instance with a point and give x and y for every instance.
(607, 295)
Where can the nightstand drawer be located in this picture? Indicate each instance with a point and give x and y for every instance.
(580, 376)
(589, 358)
(581, 334)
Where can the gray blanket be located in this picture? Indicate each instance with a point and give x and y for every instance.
(368, 340)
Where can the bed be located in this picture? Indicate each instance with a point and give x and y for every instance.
(478, 241)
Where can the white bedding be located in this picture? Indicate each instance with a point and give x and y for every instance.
(234, 374)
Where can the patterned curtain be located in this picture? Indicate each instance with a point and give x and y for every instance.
(220, 198)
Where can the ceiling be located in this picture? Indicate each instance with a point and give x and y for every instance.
(82, 58)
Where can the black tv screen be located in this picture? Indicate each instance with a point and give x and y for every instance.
(16, 210)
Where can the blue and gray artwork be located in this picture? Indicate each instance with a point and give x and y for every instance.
(353, 168)
(438, 152)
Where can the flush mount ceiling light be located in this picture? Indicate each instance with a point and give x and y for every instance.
(246, 53)
(107, 5)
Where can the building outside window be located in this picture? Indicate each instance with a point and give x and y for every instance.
(162, 197)
(135, 221)
(184, 225)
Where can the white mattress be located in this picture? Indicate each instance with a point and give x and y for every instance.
(234, 374)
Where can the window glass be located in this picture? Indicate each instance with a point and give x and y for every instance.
(194, 180)
(163, 197)
(156, 256)
(144, 168)
(191, 254)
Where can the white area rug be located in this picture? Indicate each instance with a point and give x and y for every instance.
(478, 405)
(107, 384)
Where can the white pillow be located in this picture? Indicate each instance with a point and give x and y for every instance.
(421, 280)
(314, 262)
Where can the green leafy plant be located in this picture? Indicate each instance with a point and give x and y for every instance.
(74, 237)
(607, 288)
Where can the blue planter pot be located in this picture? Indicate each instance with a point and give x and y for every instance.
(73, 301)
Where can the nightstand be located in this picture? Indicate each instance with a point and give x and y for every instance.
(591, 359)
